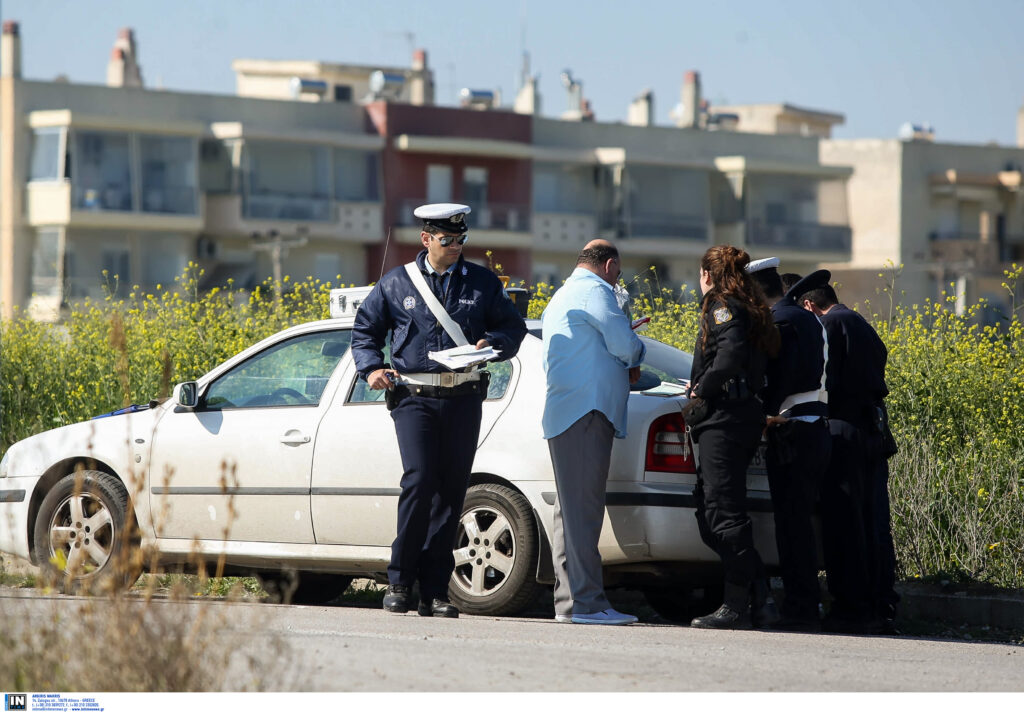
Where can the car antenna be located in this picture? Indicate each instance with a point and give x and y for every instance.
(384, 260)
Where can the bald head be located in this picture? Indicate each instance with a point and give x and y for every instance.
(602, 259)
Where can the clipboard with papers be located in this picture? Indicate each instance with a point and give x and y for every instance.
(463, 357)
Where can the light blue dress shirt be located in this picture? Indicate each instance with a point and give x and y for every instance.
(588, 349)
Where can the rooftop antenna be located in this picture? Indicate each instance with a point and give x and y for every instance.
(384, 260)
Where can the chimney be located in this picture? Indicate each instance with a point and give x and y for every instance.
(575, 110)
(641, 111)
(10, 50)
(123, 70)
(689, 117)
(421, 80)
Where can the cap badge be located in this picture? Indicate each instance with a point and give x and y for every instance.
(409, 302)
(722, 315)
(458, 218)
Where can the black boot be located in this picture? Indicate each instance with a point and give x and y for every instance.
(763, 612)
(396, 600)
(725, 617)
(733, 614)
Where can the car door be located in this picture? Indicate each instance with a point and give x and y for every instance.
(238, 466)
(357, 468)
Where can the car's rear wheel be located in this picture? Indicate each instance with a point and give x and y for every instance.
(681, 604)
(495, 552)
(84, 536)
(290, 587)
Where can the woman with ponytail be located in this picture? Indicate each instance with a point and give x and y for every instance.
(737, 334)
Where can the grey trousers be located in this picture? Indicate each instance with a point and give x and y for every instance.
(580, 457)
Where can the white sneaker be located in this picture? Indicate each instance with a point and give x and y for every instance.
(563, 618)
(608, 616)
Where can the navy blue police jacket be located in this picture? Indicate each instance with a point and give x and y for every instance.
(800, 363)
(474, 299)
(856, 367)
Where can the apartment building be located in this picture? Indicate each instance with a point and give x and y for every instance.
(106, 187)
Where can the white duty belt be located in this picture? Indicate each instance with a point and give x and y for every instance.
(446, 379)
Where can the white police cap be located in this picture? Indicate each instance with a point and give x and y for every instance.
(449, 217)
(763, 264)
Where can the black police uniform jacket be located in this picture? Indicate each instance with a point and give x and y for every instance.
(728, 370)
(856, 367)
(801, 359)
(474, 299)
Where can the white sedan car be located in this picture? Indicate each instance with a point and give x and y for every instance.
(282, 463)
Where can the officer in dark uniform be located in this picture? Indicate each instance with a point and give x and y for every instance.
(725, 418)
(796, 407)
(436, 412)
(859, 554)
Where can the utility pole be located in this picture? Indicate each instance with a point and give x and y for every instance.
(278, 245)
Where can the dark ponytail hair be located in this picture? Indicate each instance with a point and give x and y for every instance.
(725, 267)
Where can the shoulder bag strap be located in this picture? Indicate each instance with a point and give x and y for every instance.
(431, 301)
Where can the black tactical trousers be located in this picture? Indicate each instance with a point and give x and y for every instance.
(878, 531)
(725, 453)
(798, 454)
(844, 536)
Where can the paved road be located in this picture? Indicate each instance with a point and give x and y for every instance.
(346, 648)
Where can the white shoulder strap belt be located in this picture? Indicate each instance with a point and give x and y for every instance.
(431, 301)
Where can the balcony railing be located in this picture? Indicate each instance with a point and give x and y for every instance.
(655, 225)
(799, 236)
(492, 216)
(275, 206)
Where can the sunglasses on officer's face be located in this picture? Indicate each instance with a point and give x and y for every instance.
(447, 240)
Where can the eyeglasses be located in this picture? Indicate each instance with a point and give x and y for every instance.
(447, 240)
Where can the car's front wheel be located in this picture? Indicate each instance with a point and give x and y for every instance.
(84, 534)
(495, 552)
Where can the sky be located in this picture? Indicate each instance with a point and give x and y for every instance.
(956, 65)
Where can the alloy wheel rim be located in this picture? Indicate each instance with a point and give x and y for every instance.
(81, 535)
(485, 552)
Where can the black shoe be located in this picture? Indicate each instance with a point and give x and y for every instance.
(765, 616)
(438, 607)
(396, 600)
(725, 617)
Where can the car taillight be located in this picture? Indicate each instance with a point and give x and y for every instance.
(668, 446)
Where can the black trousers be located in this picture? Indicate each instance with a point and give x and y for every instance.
(878, 531)
(798, 454)
(843, 519)
(437, 440)
(725, 453)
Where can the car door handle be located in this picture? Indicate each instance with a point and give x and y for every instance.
(294, 438)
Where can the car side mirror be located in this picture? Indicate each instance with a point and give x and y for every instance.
(186, 394)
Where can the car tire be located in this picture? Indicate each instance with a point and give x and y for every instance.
(495, 552)
(290, 587)
(85, 538)
(680, 605)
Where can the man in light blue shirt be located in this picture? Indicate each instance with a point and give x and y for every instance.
(591, 356)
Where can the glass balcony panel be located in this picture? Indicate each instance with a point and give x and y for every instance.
(45, 161)
(287, 182)
(799, 236)
(355, 176)
(102, 176)
(169, 174)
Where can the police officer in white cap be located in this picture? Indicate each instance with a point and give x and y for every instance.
(796, 408)
(434, 303)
